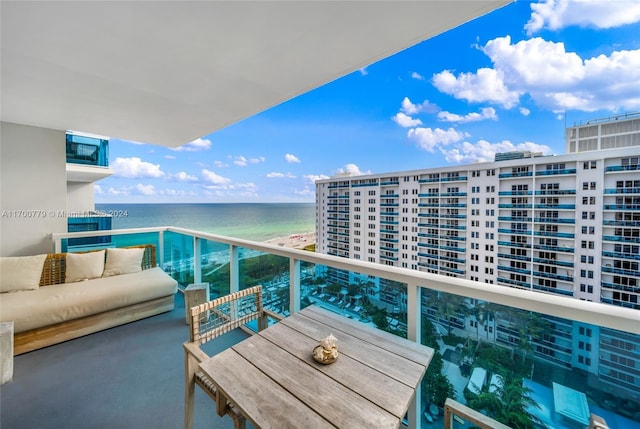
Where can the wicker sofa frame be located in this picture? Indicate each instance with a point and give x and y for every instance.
(53, 273)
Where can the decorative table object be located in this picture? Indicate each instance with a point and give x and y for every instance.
(327, 351)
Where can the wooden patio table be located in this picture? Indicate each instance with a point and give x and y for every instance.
(274, 382)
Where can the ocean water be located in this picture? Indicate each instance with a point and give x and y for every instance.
(257, 222)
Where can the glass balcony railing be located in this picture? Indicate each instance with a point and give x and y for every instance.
(631, 167)
(621, 255)
(517, 174)
(556, 172)
(490, 340)
(87, 150)
(622, 191)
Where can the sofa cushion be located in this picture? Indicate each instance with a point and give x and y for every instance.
(123, 261)
(83, 266)
(68, 301)
(20, 272)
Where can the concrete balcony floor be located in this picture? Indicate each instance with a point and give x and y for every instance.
(131, 376)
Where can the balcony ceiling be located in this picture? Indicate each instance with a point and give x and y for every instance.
(172, 71)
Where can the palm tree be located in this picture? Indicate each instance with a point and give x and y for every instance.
(509, 404)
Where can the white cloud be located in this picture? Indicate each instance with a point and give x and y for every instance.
(169, 157)
(524, 111)
(484, 151)
(305, 192)
(145, 189)
(406, 121)
(417, 76)
(275, 175)
(241, 161)
(411, 109)
(485, 113)
(363, 71)
(195, 145)
(555, 79)
(97, 189)
(243, 190)
(534, 63)
(557, 14)
(291, 158)
(119, 192)
(220, 164)
(135, 168)
(215, 179)
(313, 177)
(183, 176)
(350, 170)
(486, 85)
(428, 139)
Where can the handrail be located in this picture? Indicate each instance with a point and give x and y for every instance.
(453, 408)
(606, 315)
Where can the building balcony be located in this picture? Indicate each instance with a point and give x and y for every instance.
(515, 175)
(453, 179)
(634, 273)
(617, 168)
(453, 194)
(553, 276)
(514, 231)
(554, 248)
(515, 206)
(556, 172)
(557, 192)
(621, 238)
(554, 234)
(514, 193)
(556, 206)
(610, 222)
(294, 279)
(87, 150)
(514, 218)
(554, 220)
(514, 270)
(621, 191)
(621, 255)
(554, 262)
(629, 207)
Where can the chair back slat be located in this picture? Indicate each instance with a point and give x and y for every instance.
(221, 315)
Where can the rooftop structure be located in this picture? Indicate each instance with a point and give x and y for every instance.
(604, 133)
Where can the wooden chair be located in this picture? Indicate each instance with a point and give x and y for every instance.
(208, 321)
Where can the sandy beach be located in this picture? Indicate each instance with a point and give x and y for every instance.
(296, 241)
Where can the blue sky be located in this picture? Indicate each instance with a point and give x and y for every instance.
(510, 80)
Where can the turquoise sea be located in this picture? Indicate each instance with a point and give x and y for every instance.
(257, 222)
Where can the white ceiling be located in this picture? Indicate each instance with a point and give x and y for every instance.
(168, 72)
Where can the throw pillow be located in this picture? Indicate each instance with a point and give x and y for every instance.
(123, 261)
(20, 272)
(83, 266)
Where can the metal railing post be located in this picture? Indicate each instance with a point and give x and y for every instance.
(197, 260)
(234, 269)
(413, 334)
(294, 285)
(160, 254)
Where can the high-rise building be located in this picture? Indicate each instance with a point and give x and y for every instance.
(566, 224)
